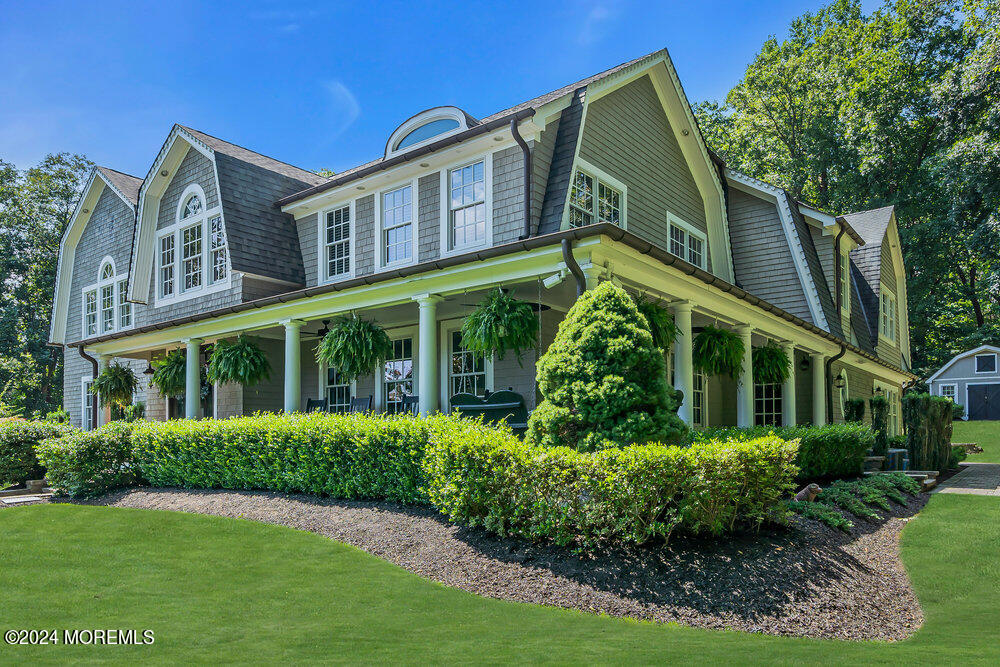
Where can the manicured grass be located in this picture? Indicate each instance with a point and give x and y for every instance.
(216, 589)
(985, 433)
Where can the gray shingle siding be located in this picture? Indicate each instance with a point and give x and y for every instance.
(508, 195)
(429, 217)
(541, 163)
(307, 229)
(626, 133)
(762, 258)
(194, 168)
(557, 185)
(364, 244)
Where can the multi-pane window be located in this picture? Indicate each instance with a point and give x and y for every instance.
(88, 406)
(893, 396)
(217, 249)
(338, 242)
(589, 204)
(687, 244)
(845, 282)
(468, 205)
(191, 257)
(986, 363)
(398, 375)
(948, 391)
(107, 271)
(192, 207)
(167, 266)
(124, 307)
(467, 372)
(698, 399)
(845, 394)
(338, 391)
(887, 319)
(767, 404)
(397, 224)
(107, 308)
(90, 312)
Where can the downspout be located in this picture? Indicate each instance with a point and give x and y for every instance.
(95, 372)
(527, 176)
(574, 267)
(829, 391)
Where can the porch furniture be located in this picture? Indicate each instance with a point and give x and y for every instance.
(316, 405)
(505, 405)
(361, 404)
(411, 404)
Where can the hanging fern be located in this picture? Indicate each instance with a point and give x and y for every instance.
(240, 361)
(354, 347)
(500, 323)
(170, 374)
(115, 385)
(660, 320)
(718, 352)
(770, 364)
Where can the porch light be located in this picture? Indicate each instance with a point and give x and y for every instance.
(149, 369)
(839, 383)
(804, 364)
(878, 391)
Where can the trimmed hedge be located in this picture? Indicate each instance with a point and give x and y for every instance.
(486, 477)
(836, 450)
(18, 439)
(88, 463)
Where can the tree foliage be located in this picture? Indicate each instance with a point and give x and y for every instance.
(901, 106)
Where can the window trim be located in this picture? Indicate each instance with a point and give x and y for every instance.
(322, 386)
(447, 328)
(86, 403)
(975, 364)
(322, 263)
(176, 229)
(953, 385)
(394, 335)
(444, 185)
(779, 398)
(97, 290)
(845, 282)
(690, 230)
(885, 333)
(892, 394)
(382, 265)
(845, 392)
(599, 176)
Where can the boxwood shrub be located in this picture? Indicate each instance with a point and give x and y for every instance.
(486, 477)
(835, 450)
(18, 438)
(88, 463)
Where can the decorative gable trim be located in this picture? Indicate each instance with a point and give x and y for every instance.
(791, 237)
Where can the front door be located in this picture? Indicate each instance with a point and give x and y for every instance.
(984, 401)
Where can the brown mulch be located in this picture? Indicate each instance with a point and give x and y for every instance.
(808, 580)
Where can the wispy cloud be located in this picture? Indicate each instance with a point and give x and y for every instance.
(344, 108)
(592, 29)
(285, 20)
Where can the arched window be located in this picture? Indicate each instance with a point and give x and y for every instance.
(192, 254)
(427, 126)
(105, 309)
(192, 207)
(107, 271)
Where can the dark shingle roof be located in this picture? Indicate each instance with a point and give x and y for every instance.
(871, 225)
(250, 157)
(816, 269)
(124, 183)
(864, 311)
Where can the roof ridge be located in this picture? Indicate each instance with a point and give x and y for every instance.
(137, 178)
(250, 150)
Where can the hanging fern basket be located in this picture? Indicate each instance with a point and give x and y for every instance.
(718, 352)
(499, 324)
(660, 320)
(770, 364)
(170, 373)
(354, 347)
(240, 361)
(115, 385)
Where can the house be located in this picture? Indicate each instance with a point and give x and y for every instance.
(971, 379)
(607, 178)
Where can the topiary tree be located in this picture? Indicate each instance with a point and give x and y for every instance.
(928, 431)
(854, 410)
(879, 406)
(603, 379)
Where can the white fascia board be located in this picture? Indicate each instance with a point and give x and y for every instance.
(963, 355)
(778, 195)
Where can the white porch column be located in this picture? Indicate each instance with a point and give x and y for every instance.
(99, 416)
(683, 366)
(819, 389)
(428, 390)
(293, 366)
(788, 388)
(744, 385)
(192, 383)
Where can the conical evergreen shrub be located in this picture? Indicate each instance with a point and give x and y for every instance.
(603, 379)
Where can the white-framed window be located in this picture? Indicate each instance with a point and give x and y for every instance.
(595, 196)
(845, 282)
(397, 375)
(396, 209)
(986, 363)
(87, 403)
(887, 314)
(338, 242)
(699, 409)
(892, 397)
(845, 393)
(687, 242)
(949, 391)
(337, 390)
(105, 308)
(467, 205)
(468, 372)
(767, 404)
(192, 254)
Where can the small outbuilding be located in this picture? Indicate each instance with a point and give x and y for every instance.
(972, 379)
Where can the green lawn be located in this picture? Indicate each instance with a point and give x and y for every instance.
(985, 433)
(225, 590)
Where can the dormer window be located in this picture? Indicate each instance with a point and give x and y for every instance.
(595, 196)
(426, 127)
(105, 309)
(686, 242)
(192, 254)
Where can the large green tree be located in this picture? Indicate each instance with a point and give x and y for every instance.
(35, 206)
(855, 111)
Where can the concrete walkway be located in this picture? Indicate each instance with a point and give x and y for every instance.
(979, 479)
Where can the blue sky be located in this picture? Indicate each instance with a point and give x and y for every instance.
(323, 85)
